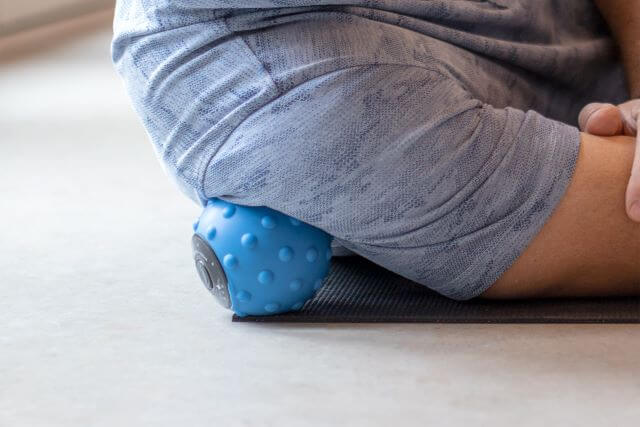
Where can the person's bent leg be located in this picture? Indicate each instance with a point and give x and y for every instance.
(387, 151)
(589, 246)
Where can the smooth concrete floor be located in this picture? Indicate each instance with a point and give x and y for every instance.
(103, 321)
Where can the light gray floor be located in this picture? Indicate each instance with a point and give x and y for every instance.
(103, 321)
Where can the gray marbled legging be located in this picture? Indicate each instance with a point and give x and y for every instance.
(434, 138)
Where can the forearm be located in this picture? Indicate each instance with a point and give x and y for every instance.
(623, 17)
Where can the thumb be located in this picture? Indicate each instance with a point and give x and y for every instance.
(601, 119)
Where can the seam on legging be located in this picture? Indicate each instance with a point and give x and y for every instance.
(241, 37)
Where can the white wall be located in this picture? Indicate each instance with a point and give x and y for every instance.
(16, 15)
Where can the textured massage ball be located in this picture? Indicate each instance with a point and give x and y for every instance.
(258, 261)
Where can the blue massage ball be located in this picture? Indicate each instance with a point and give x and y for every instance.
(258, 261)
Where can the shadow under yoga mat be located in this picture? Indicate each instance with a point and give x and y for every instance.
(357, 290)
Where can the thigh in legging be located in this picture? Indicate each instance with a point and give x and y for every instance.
(359, 133)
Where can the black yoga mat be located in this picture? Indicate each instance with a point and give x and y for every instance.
(357, 290)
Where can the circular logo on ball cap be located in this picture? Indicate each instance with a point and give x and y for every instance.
(210, 270)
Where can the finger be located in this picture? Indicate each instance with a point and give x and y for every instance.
(586, 112)
(633, 189)
(629, 111)
(605, 121)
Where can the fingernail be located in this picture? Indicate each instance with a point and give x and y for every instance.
(586, 113)
(634, 211)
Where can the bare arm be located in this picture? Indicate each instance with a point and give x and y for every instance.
(588, 247)
(623, 17)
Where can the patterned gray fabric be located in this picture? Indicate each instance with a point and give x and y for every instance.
(434, 138)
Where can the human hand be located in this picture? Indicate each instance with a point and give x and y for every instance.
(609, 120)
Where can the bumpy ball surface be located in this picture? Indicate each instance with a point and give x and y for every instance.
(273, 263)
